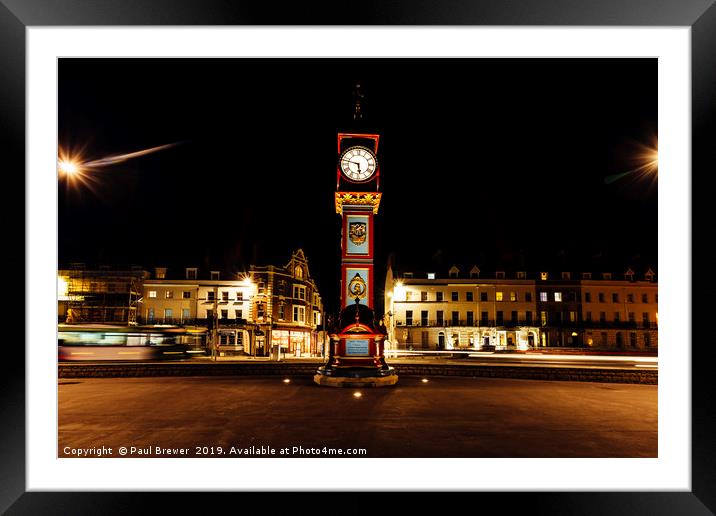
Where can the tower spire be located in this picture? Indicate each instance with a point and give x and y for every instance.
(358, 97)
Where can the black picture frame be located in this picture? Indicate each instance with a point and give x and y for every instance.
(17, 15)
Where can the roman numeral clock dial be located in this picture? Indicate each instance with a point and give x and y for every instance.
(358, 164)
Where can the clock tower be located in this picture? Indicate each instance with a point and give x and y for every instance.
(356, 347)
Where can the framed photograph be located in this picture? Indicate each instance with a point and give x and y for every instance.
(77, 66)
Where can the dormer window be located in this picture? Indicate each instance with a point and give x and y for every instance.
(431, 275)
(500, 275)
(298, 272)
(407, 275)
(629, 275)
(160, 272)
(586, 275)
(191, 273)
(606, 275)
(454, 272)
(214, 275)
(475, 272)
(649, 276)
(543, 276)
(566, 275)
(521, 275)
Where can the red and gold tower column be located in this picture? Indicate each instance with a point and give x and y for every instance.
(356, 348)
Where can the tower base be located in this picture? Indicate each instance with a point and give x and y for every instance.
(355, 377)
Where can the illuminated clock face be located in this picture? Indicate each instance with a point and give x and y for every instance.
(358, 164)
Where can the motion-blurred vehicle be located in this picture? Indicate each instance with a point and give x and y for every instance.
(105, 342)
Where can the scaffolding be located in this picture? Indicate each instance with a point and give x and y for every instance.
(102, 295)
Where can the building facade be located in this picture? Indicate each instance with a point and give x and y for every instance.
(521, 310)
(251, 313)
(100, 294)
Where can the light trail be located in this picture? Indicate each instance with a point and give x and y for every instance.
(120, 158)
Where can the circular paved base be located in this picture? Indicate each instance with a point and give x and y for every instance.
(340, 381)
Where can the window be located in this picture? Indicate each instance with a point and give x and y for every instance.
(528, 317)
(185, 314)
(607, 275)
(513, 296)
(423, 318)
(468, 296)
(453, 296)
(299, 314)
(455, 318)
(521, 275)
(239, 296)
(408, 317)
(566, 275)
(225, 296)
(617, 316)
(586, 275)
(152, 294)
(190, 273)
(645, 318)
(483, 296)
(602, 317)
(299, 292)
(160, 272)
(453, 272)
(210, 295)
(214, 275)
(513, 314)
(407, 275)
(261, 310)
(408, 295)
(632, 317)
(500, 275)
(168, 313)
(423, 296)
(186, 294)
(483, 318)
(543, 318)
(150, 314)
(528, 297)
(647, 340)
(543, 297)
(500, 318)
(601, 297)
(431, 275)
(604, 338)
(630, 298)
(588, 317)
(224, 314)
(209, 314)
(632, 339)
(644, 298)
(572, 317)
(498, 296)
(656, 298)
(543, 276)
(615, 298)
(169, 294)
(239, 314)
(298, 272)
(470, 319)
(438, 296)
(440, 317)
(587, 297)
(558, 297)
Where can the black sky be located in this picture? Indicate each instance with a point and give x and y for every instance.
(494, 162)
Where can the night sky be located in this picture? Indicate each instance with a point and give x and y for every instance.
(494, 162)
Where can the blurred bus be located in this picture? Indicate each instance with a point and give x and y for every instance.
(106, 342)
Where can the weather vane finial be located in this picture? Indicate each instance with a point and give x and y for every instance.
(358, 97)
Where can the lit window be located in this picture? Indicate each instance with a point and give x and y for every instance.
(169, 294)
(543, 318)
(168, 314)
(298, 272)
(185, 313)
(513, 296)
(299, 314)
(543, 297)
(521, 275)
(558, 297)
(431, 275)
(572, 316)
(543, 276)
(498, 296)
(152, 293)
